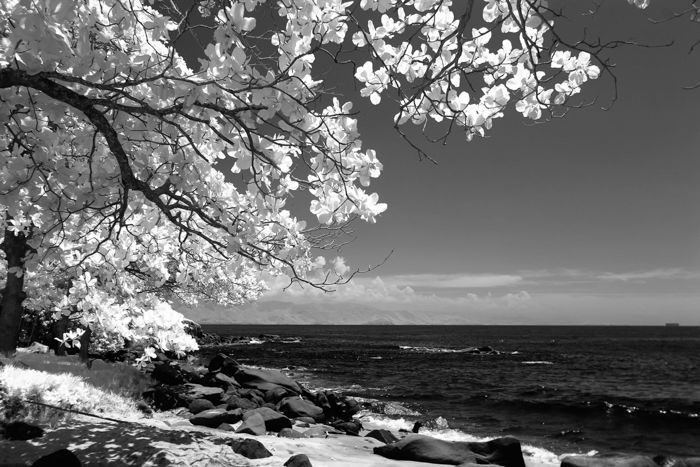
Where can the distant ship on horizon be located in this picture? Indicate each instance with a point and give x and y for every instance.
(673, 325)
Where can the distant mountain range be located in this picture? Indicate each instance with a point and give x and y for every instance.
(277, 312)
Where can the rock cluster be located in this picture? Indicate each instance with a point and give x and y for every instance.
(263, 400)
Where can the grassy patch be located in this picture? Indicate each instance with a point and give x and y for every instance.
(109, 390)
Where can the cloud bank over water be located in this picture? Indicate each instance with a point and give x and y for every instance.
(566, 296)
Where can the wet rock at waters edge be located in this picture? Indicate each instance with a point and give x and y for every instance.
(274, 421)
(250, 448)
(225, 427)
(502, 451)
(197, 391)
(200, 405)
(265, 380)
(422, 448)
(416, 427)
(214, 417)
(385, 436)
(298, 460)
(351, 428)
(337, 406)
(20, 431)
(610, 460)
(224, 364)
(253, 425)
(290, 433)
(671, 461)
(60, 458)
(238, 402)
(294, 407)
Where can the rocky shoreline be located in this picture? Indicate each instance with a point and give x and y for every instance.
(251, 411)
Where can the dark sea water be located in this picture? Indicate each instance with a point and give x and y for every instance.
(561, 389)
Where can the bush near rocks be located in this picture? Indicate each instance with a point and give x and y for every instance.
(250, 448)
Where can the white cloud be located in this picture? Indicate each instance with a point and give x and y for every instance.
(456, 281)
(669, 273)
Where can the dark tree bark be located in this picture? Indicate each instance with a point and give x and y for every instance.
(16, 249)
(85, 347)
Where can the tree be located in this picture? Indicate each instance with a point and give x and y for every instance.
(115, 152)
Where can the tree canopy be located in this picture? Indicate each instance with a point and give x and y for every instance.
(133, 176)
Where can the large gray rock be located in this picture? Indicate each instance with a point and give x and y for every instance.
(214, 417)
(238, 402)
(224, 364)
(200, 405)
(197, 391)
(502, 451)
(422, 448)
(298, 460)
(294, 407)
(253, 425)
(385, 436)
(60, 458)
(611, 460)
(265, 380)
(250, 448)
(274, 421)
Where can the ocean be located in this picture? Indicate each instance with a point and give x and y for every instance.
(559, 389)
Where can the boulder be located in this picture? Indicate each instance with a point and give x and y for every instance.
(224, 379)
(252, 394)
(502, 451)
(274, 421)
(297, 407)
(200, 405)
(276, 394)
(36, 347)
(298, 460)
(224, 364)
(422, 448)
(237, 402)
(197, 391)
(350, 428)
(290, 433)
(250, 448)
(225, 427)
(385, 436)
(21, 431)
(62, 458)
(610, 460)
(253, 425)
(265, 380)
(214, 417)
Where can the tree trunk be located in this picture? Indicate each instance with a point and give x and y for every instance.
(16, 248)
(85, 347)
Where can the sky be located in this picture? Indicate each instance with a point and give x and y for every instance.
(589, 219)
